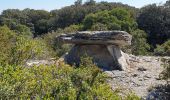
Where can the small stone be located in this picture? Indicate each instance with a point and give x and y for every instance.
(142, 69)
(135, 75)
(147, 76)
(157, 78)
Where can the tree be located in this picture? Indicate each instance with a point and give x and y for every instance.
(116, 19)
(38, 21)
(90, 2)
(78, 2)
(139, 43)
(75, 14)
(23, 30)
(155, 21)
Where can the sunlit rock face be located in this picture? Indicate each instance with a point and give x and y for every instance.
(102, 46)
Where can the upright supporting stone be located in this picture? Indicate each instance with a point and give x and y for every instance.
(99, 53)
(102, 46)
(120, 56)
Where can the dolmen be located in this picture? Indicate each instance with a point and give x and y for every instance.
(104, 47)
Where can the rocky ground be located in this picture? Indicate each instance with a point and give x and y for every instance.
(141, 78)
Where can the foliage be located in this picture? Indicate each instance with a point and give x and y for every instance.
(27, 48)
(132, 96)
(99, 27)
(139, 43)
(51, 82)
(163, 50)
(166, 73)
(116, 19)
(78, 2)
(155, 20)
(23, 30)
(86, 82)
(17, 48)
(36, 20)
(41, 21)
(56, 48)
(72, 28)
(6, 43)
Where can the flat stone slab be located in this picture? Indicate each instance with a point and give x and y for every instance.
(118, 38)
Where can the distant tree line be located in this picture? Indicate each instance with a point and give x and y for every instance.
(148, 25)
(41, 22)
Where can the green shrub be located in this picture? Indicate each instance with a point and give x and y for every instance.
(7, 39)
(72, 28)
(139, 43)
(166, 72)
(163, 50)
(17, 48)
(99, 27)
(115, 19)
(51, 82)
(132, 96)
(56, 48)
(27, 48)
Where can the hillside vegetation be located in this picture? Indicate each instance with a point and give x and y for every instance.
(31, 34)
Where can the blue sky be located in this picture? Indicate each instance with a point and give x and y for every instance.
(56, 4)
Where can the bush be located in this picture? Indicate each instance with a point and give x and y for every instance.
(139, 43)
(72, 28)
(27, 48)
(132, 96)
(99, 27)
(163, 50)
(116, 19)
(56, 48)
(166, 72)
(17, 48)
(51, 82)
(7, 39)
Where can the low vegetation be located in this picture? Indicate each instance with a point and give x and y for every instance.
(63, 82)
(165, 74)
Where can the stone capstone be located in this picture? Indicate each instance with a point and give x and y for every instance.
(102, 46)
(118, 38)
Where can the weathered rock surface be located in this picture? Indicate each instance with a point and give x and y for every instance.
(142, 77)
(102, 46)
(30, 63)
(118, 38)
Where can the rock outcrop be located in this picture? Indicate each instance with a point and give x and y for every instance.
(141, 79)
(102, 46)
